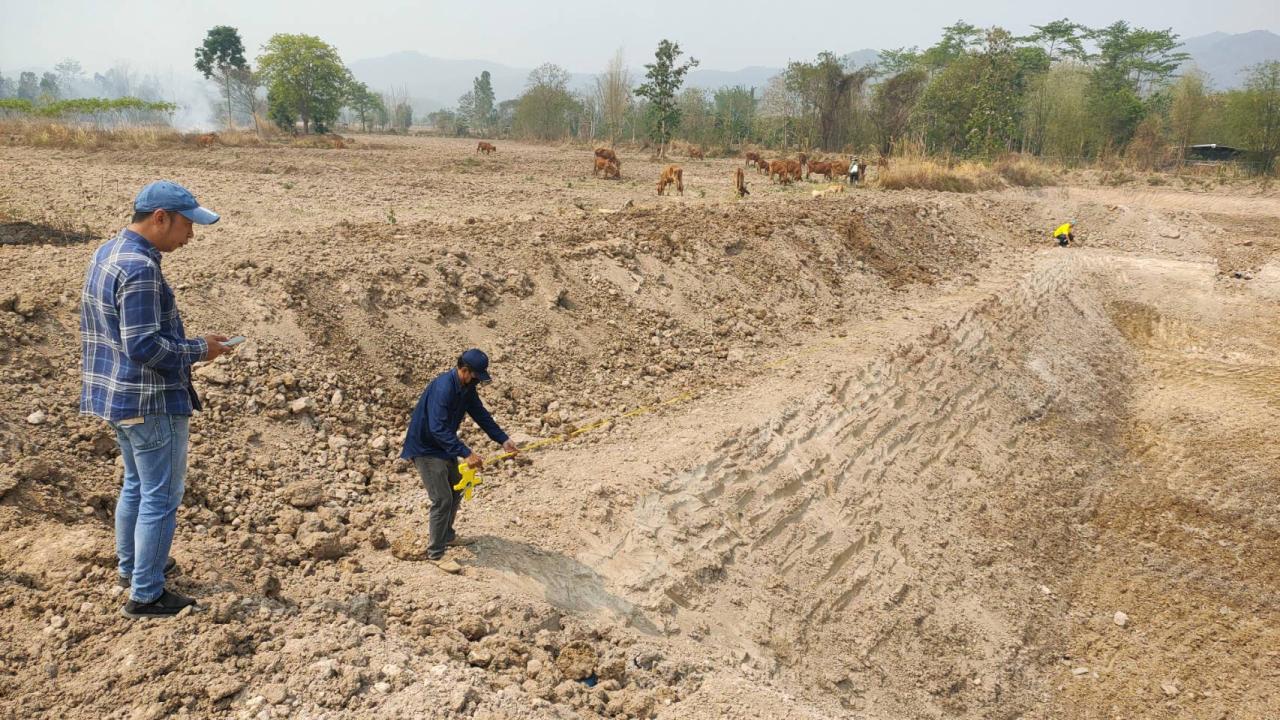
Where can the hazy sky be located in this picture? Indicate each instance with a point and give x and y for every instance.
(580, 35)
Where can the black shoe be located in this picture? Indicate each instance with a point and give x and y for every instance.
(170, 568)
(167, 605)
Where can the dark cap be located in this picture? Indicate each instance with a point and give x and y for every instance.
(477, 361)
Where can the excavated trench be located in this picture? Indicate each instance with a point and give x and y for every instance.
(925, 535)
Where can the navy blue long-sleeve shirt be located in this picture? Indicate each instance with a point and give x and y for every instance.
(433, 427)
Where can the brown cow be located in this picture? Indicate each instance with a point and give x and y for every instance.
(696, 153)
(608, 167)
(740, 182)
(207, 139)
(752, 158)
(840, 168)
(819, 167)
(778, 169)
(794, 167)
(673, 174)
(607, 154)
(486, 148)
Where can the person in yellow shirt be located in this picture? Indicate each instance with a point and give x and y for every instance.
(1064, 233)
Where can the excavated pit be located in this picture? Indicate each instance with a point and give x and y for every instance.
(918, 464)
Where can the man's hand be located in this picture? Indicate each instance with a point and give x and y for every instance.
(475, 461)
(511, 447)
(216, 347)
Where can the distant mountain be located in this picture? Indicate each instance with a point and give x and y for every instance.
(433, 83)
(1225, 57)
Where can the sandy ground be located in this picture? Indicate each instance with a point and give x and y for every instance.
(872, 454)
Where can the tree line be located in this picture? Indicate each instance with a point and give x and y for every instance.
(1064, 91)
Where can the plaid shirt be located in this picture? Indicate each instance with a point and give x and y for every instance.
(136, 359)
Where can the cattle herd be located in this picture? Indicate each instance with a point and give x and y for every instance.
(782, 170)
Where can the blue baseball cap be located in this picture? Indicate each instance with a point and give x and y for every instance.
(172, 197)
(478, 362)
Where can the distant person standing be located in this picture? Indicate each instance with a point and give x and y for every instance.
(432, 444)
(136, 375)
(855, 170)
(1065, 233)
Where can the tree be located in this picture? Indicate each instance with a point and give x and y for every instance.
(1253, 114)
(222, 54)
(305, 74)
(7, 88)
(28, 86)
(70, 74)
(825, 88)
(974, 106)
(49, 90)
(245, 97)
(545, 109)
(897, 61)
(735, 112)
(365, 104)
(466, 112)
(1057, 121)
(613, 95)
(781, 108)
(1189, 110)
(482, 92)
(1130, 62)
(696, 119)
(957, 40)
(664, 76)
(402, 116)
(892, 104)
(1060, 40)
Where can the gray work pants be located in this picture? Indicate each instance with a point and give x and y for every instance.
(438, 477)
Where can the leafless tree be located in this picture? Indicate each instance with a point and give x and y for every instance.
(613, 95)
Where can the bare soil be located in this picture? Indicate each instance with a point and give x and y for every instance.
(871, 454)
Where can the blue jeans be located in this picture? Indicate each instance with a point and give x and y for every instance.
(155, 473)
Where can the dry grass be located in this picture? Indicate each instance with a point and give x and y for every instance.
(1025, 172)
(44, 133)
(924, 174)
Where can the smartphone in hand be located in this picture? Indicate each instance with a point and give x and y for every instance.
(234, 341)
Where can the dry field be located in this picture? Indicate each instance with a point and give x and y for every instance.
(875, 454)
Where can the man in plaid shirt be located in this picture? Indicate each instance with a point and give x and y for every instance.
(136, 375)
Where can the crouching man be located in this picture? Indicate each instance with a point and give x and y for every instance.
(432, 444)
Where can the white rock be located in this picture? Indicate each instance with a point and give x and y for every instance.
(1169, 689)
(1080, 671)
(382, 686)
(1120, 619)
(36, 417)
(391, 671)
(301, 405)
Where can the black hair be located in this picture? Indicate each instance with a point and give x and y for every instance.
(142, 215)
